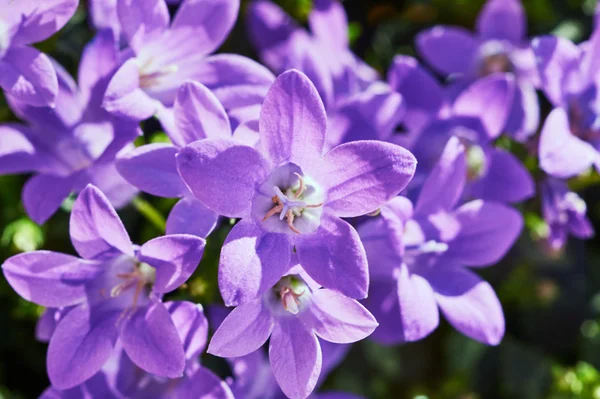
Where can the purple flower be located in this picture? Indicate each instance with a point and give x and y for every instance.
(417, 258)
(359, 107)
(73, 144)
(477, 116)
(495, 49)
(291, 195)
(293, 313)
(565, 213)
(152, 168)
(113, 294)
(26, 74)
(121, 378)
(164, 54)
(570, 137)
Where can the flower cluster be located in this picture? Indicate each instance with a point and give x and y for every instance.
(338, 234)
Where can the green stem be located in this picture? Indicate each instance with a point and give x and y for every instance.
(150, 213)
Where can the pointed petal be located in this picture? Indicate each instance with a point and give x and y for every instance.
(17, 152)
(192, 326)
(335, 258)
(82, 342)
(561, 153)
(150, 339)
(439, 46)
(243, 331)
(337, 318)
(489, 99)
(252, 261)
(444, 186)
(199, 115)
(295, 357)
(190, 209)
(142, 23)
(152, 168)
(99, 58)
(175, 257)
(469, 304)
(293, 120)
(28, 76)
(202, 384)
(361, 176)
(43, 194)
(497, 15)
(222, 174)
(487, 231)
(96, 229)
(49, 278)
(328, 23)
(39, 21)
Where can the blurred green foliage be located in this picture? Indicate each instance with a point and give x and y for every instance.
(551, 300)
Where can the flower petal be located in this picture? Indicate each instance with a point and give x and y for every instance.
(337, 318)
(152, 168)
(202, 384)
(99, 59)
(469, 304)
(295, 357)
(361, 176)
(43, 194)
(48, 278)
(252, 261)
(487, 231)
(82, 342)
(175, 257)
(335, 258)
(39, 21)
(190, 209)
(222, 174)
(243, 331)
(150, 339)
(328, 23)
(17, 153)
(192, 326)
(440, 45)
(497, 16)
(524, 118)
(96, 230)
(142, 23)
(383, 303)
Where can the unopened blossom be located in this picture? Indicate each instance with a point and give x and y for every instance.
(358, 105)
(112, 294)
(293, 313)
(499, 46)
(569, 140)
(72, 144)
(26, 74)
(290, 194)
(163, 54)
(477, 117)
(565, 212)
(420, 258)
(121, 378)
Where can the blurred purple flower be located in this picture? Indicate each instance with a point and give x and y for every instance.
(73, 144)
(417, 258)
(359, 107)
(290, 194)
(293, 313)
(121, 378)
(565, 213)
(570, 137)
(500, 46)
(163, 54)
(26, 74)
(108, 293)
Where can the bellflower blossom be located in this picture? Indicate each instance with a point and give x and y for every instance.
(163, 54)
(293, 313)
(152, 168)
(73, 144)
(417, 258)
(570, 138)
(121, 378)
(113, 293)
(26, 74)
(476, 116)
(291, 195)
(500, 46)
(359, 107)
(564, 212)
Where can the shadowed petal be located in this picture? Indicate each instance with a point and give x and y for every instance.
(99, 58)
(503, 20)
(382, 302)
(203, 220)
(440, 46)
(202, 384)
(175, 257)
(192, 325)
(43, 194)
(17, 152)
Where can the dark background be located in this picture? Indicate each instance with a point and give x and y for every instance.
(551, 300)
